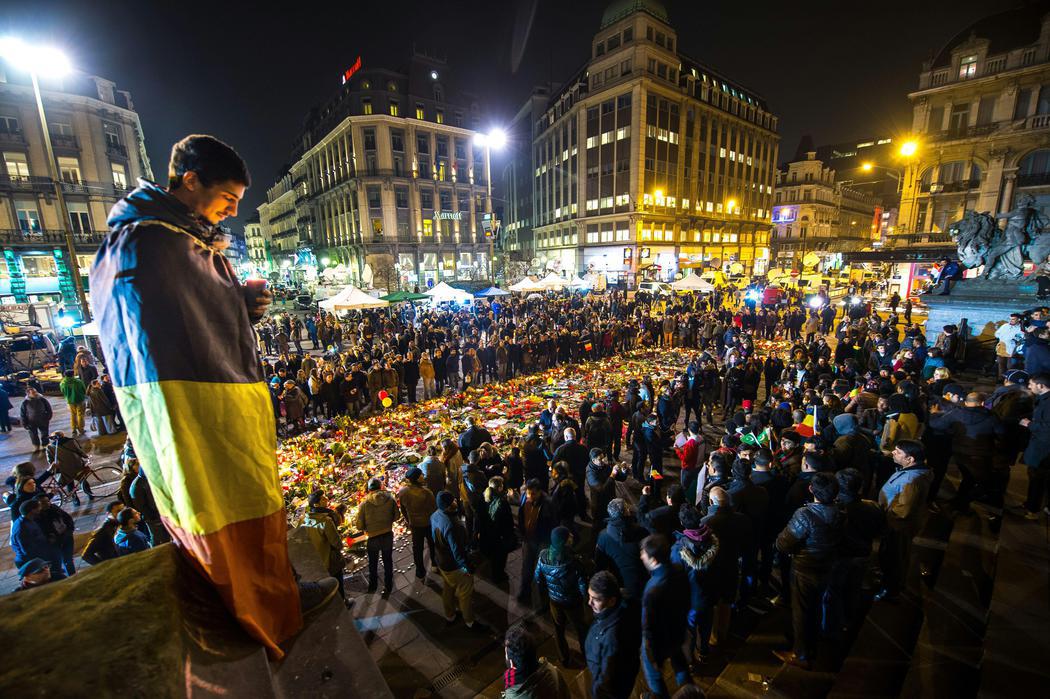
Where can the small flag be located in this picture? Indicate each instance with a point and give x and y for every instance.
(588, 347)
(808, 428)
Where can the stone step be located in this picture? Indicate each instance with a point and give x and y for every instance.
(1017, 637)
(880, 657)
(948, 650)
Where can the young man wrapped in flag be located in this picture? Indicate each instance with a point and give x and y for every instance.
(176, 331)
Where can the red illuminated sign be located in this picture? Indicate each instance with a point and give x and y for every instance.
(349, 72)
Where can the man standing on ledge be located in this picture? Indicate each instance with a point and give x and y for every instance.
(176, 329)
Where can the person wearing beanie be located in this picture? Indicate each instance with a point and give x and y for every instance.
(852, 448)
(559, 573)
(1011, 402)
(376, 516)
(695, 549)
(417, 505)
(452, 561)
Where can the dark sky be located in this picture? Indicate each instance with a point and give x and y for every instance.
(247, 74)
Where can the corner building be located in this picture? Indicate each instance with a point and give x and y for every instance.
(648, 163)
(385, 176)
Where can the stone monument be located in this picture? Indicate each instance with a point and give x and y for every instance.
(1001, 288)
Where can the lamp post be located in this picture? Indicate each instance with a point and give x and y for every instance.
(496, 138)
(50, 62)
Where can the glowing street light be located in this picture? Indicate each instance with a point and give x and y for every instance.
(495, 138)
(51, 63)
(730, 206)
(909, 148)
(867, 167)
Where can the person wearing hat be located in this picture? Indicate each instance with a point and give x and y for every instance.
(417, 505)
(559, 573)
(452, 561)
(375, 517)
(695, 549)
(320, 525)
(33, 573)
(1010, 403)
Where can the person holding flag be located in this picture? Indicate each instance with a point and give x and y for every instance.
(176, 330)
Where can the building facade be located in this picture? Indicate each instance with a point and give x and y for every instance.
(647, 162)
(386, 180)
(873, 166)
(100, 152)
(257, 246)
(516, 235)
(816, 216)
(981, 117)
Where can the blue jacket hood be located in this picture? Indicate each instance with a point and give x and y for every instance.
(149, 202)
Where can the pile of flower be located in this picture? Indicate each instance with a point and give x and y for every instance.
(340, 457)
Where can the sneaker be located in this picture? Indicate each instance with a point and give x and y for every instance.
(314, 595)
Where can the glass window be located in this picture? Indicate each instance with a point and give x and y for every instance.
(79, 218)
(395, 109)
(401, 197)
(16, 164)
(420, 113)
(60, 129)
(370, 139)
(366, 105)
(39, 266)
(374, 198)
(10, 125)
(120, 176)
(426, 198)
(439, 116)
(628, 34)
(397, 140)
(112, 133)
(612, 42)
(69, 169)
(28, 216)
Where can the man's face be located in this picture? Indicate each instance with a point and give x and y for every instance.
(1037, 388)
(213, 203)
(597, 603)
(900, 458)
(532, 496)
(116, 510)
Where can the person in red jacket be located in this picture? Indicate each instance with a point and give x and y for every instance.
(692, 454)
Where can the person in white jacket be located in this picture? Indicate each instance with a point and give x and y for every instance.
(1009, 335)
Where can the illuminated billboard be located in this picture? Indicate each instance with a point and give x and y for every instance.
(784, 214)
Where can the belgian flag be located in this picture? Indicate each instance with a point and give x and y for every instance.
(179, 344)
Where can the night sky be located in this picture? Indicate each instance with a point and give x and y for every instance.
(836, 70)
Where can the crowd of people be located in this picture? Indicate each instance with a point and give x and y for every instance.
(806, 498)
(643, 531)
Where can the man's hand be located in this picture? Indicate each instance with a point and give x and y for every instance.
(1024, 422)
(258, 302)
(646, 490)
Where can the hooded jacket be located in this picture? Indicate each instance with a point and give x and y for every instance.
(377, 513)
(695, 550)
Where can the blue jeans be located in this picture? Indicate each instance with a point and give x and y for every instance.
(652, 669)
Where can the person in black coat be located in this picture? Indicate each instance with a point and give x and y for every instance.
(734, 539)
(559, 573)
(975, 433)
(536, 520)
(865, 522)
(602, 476)
(665, 597)
(812, 537)
(101, 547)
(662, 519)
(472, 438)
(613, 639)
(618, 548)
(57, 525)
(776, 486)
(1037, 453)
(576, 456)
(751, 501)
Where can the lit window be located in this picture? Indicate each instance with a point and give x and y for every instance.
(607, 202)
(671, 201)
(607, 137)
(647, 198)
(366, 106)
(420, 114)
(621, 133)
(721, 152)
(592, 141)
(685, 203)
(394, 109)
(622, 199)
(968, 67)
(439, 117)
(592, 204)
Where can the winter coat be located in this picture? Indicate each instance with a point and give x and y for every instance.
(100, 547)
(324, 535)
(473, 438)
(813, 536)
(865, 522)
(597, 431)
(852, 451)
(611, 648)
(128, 542)
(617, 551)
(734, 534)
(974, 432)
(666, 595)
(377, 513)
(498, 536)
(295, 402)
(562, 578)
(35, 412)
(99, 402)
(696, 550)
(903, 497)
(450, 542)
(67, 457)
(434, 473)
(417, 504)
(28, 542)
(602, 485)
(73, 390)
(1038, 450)
(544, 683)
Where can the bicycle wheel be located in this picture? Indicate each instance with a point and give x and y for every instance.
(104, 481)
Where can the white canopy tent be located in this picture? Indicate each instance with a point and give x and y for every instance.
(691, 282)
(351, 298)
(553, 281)
(526, 285)
(443, 292)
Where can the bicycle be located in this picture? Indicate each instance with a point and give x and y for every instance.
(103, 481)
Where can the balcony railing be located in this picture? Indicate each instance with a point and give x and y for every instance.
(12, 138)
(64, 142)
(1038, 121)
(1037, 179)
(918, 238)
(17, 236)
(116, 150)
(102, 189)
(26, 183)
(958, 134)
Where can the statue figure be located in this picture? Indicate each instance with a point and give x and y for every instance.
(1005, 260)
(1002, 252)
(973, 235)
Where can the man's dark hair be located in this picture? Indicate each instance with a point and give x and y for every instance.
(315, 498)
(762, 457)
(718, 464)
(113, 505)
(534, 484)
(850, 481)
(812, 461)
(605, 585)
(657, 548)
(521, 650)
(676, 495)
(210, 158)
(125, 516)
(912, 448)
(825, 488)
(1042, 378)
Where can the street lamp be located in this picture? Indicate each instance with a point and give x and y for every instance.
(894, 172)
(49, 62)
(909, 148)
(496, 138)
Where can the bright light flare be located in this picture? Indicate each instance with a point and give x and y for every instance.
(867, 167)
(909, 148)
(65, 321)
(45, 61)
(816, 302)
